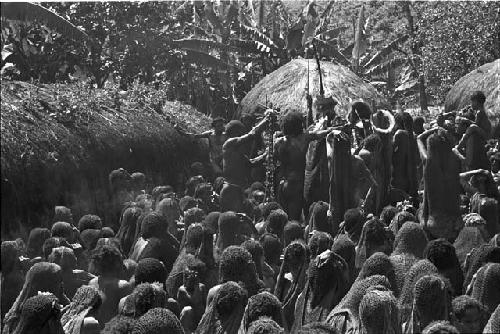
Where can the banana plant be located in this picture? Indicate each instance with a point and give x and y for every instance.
(30, 12)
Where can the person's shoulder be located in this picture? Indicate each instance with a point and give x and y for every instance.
(364, 153)
(90, 326)
(94, 282)
(123, 284)
(229, 142)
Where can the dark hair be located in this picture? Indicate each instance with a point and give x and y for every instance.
(478, 96)
(372, 141)
(203, 189)
(272, 248)
(461, 304)
(269, 207)
(388, 214)
(89, 222)
(230, 294)
(362, 109)
(276, 222)
(319, 242)
(107, 260)
(217, 120)
(375, 232)
(52, 243)
(235, 129)
(292, 124)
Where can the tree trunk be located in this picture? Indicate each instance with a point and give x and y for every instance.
(416, 51)
(422, 93)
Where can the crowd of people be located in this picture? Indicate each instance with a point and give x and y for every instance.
(377, 223)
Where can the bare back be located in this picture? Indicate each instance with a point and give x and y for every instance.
(112, 290)
(291, 152)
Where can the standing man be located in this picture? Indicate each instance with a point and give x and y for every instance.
(317, 177)
(216, 138)
(290, 151)
(236, 163)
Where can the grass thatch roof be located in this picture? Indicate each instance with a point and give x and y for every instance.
(485, 78)
(285, 88)
(59, 143)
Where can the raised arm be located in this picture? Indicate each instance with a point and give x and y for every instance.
(252, 133)
(205, 134)
(422, 140)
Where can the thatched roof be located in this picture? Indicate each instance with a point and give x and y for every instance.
(59, 143)
(485, 78)
(285, 88)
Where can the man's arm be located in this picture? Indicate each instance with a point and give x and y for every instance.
(473, 128)
(205, 134)
(250, 135)
(422, 140)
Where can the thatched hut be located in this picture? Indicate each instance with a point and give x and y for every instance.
(285, 88)
(485, 78)
(60, 142)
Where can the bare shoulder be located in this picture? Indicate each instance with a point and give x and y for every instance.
(123, 283)
(90, 326)
(94, 282)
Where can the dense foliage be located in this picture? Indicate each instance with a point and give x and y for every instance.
(211, 54)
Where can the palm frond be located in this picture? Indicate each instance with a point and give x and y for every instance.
(382, 68)
(205, 59)
(201, 45)
(385, 51)
(259, 36)
(30, 12)
(331, 34)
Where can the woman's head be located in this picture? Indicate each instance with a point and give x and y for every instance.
(40, 314)
(378, 313)
(235, 264)
(37, 237)
(89, 222)
(272, 248)
(153, 225)
(431, 299)
(230, 298)
(64, 257)
(292, 124)
(108, 261)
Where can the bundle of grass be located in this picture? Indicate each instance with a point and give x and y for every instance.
(59, 142)
(286, 89)
(484, 78)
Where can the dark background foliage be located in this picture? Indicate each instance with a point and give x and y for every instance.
(210, 55)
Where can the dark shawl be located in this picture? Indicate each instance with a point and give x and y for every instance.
(441, 207)
(402, 264)
(327, 283)
(383, 124)
(298, 253)
(405, 302)
(37, 237)
(343, 246)
(477, 258)
(410, 239)
(316, 173)
(442, 254)
(198, 248)
(342, 185)
(85, 299)
(470, 237)
(379, 264)
(345, 316)
(233, 299)
(129, 224)
(432, 296)
(43, 276)
(486, 287)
